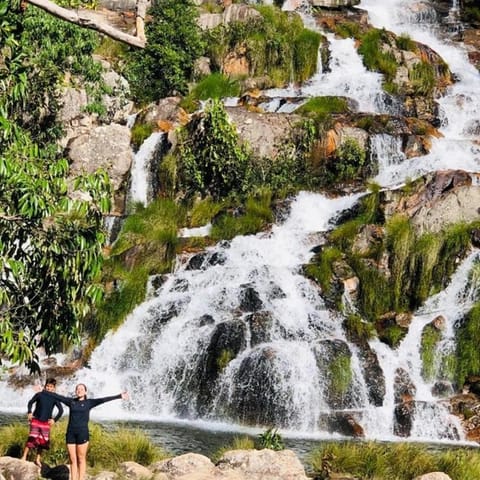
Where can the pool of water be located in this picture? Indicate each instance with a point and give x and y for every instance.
(180, 438)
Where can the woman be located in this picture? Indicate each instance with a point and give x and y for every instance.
(77, 429)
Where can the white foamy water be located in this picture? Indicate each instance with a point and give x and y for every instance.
(139, 176)
(459, 108)
(346, 76)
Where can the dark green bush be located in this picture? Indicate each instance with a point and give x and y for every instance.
(165, 65)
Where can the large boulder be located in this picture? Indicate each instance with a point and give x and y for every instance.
(440, 199)
(263, 464)
(183, 465)
(106, 147)
(433, 476)
(16, 469)
(265, 133)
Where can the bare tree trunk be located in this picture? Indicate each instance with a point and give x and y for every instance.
(141, 13)
(87, 19)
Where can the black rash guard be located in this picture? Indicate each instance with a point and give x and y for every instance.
(80, 409)
(44, 405)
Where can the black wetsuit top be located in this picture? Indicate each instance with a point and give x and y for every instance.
(80, 409)
(44, 405)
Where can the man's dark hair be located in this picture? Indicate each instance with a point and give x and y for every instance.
(50, 381)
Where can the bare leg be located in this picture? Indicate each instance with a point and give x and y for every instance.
(25, 453)
(72, 453)
(38, 459)
(82, 460)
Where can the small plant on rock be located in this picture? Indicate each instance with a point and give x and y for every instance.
(271, 439)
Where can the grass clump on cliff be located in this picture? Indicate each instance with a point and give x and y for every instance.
(275, 44)
(323, 105)
(468, 339)
(398, 461)
(145, 246)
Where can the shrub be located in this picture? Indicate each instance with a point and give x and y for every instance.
(350, 160)
(212, 162)
(165, 65)
(271, 439)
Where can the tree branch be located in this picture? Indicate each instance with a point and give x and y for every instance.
(86, 19)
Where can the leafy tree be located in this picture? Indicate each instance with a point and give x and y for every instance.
(50, 230)
(50, 251)
(174, 43)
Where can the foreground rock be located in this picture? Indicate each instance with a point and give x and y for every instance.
(234, 465)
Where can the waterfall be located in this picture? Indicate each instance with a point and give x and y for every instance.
(238, 334)
(452, 304)
(346, 76)
(459, 107)
(248, 299)
(387, 153)
(140, 178)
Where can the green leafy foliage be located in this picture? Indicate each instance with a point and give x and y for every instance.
(165, 65)
(50, 250)
(350, 160)
(271, 439)
(212, 161)
(51, 231)
(49, 49)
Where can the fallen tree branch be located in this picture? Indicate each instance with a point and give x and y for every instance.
(87, 19)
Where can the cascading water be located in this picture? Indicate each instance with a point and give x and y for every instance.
(459, 107)
(140, 178)
(247, 301)
(347, 76)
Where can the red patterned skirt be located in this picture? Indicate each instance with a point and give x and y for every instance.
(39, 435)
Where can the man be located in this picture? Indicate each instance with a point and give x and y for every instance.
(41, 420)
